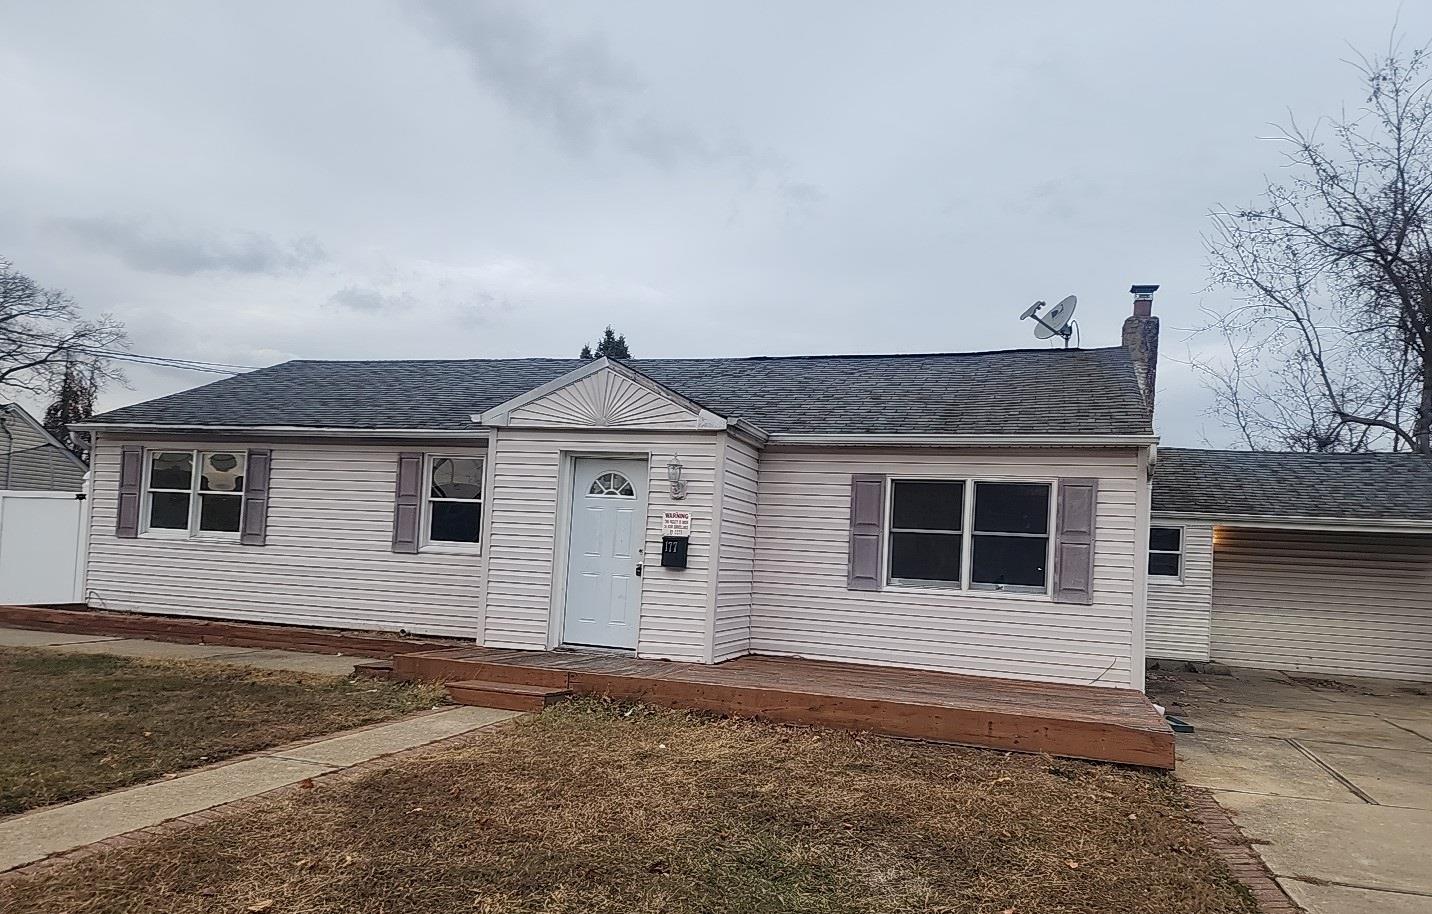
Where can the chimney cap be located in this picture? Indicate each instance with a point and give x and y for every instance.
(1143, 290)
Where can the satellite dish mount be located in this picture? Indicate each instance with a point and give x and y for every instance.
(1057, 321)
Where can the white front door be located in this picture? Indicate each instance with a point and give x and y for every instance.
(605, 552)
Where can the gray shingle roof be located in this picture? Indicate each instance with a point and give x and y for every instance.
(1355, 487)
(1029, 391)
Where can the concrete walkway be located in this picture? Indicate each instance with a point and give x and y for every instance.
(36, 835)
(1330, 778)
(296, 661)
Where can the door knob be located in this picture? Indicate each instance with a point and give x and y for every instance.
(638, 570)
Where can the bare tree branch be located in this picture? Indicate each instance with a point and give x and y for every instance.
(43, 336)
(1330, 330)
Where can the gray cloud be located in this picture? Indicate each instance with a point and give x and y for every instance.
(146, 246)
(575, 88)
(364, 299)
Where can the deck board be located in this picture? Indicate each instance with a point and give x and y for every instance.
(1091, 722)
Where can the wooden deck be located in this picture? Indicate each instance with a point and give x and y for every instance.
(1088, 722)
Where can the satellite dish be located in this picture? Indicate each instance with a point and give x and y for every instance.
(1056, 319)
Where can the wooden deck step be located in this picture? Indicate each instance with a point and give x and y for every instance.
(510, 696)
(373, 669)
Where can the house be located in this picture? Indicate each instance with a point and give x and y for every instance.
(1320, 563)
(982, 513)
(32, 459)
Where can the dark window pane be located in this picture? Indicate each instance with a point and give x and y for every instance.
(1011, 507)
(457, 477)
(219, 513)
(169, 511)
(1012, 560)
(927, 505)
(221, 473)
(925, 556)
(171, 470)
(456, 522)
(1163, 563)
(1164, 539)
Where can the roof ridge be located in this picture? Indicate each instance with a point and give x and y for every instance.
(720, 358)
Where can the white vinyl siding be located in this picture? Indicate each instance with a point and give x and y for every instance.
(328, 559)
(525, 528)
(1357, 604)
(604, 399)
(1179, 610)
(732, 629)
(801, 604)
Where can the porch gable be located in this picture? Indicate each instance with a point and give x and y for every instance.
(603, 394)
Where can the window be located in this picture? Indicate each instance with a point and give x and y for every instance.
(926, 542)
(181, 500)
(454, 503)
(1166, 552)
(961, 533)
(612, 484)
(1011, 536)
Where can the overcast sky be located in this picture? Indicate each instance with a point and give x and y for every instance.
(253, 182)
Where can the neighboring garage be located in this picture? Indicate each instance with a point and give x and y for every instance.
(1317, 563)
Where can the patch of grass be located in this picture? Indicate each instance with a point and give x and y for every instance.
(73, 725)
(604, 809)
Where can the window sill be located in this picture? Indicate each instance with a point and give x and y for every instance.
(180, 536)
(1165, 579)
(1042, 596)
(450, 549)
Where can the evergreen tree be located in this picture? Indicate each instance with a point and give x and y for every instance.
(74, 402)
(610, 345)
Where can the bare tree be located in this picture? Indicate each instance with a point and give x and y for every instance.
(1331, 330)
(43, 336)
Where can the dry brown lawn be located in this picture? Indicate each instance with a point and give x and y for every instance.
(597, 808)
(73, 725)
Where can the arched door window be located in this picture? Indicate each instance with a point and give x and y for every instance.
(612, 484)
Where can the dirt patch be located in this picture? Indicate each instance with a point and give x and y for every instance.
(79, 724)
(597, 808)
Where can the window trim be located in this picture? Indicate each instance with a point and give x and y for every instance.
(425, 541)
(967, 534)
(1181, 553)
(191, 532)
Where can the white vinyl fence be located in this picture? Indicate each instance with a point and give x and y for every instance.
(41, 547)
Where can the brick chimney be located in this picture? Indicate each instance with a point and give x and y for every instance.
(1141, 338)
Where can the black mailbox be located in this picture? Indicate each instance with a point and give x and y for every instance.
(673, 551)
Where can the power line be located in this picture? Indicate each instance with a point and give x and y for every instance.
(172, 361)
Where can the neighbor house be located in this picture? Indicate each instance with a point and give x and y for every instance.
(983, 512)
(31, 459)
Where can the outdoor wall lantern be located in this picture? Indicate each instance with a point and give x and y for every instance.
(673, 475)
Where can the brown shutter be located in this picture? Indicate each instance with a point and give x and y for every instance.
(407, 507)
(253, 528)
(867, 511)
(131, 478)
(1074, 541)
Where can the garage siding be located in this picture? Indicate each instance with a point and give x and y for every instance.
(1338, 603)
(1178, 616)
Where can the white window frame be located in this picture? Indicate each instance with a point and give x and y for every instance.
(192, 531)
(967, 534)
(1181, 553)
(426, 542)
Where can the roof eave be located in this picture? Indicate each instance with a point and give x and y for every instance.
(1298, 522)
(936, 440)
(285, 431)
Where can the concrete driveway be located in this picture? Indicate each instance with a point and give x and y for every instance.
(1330, 778)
